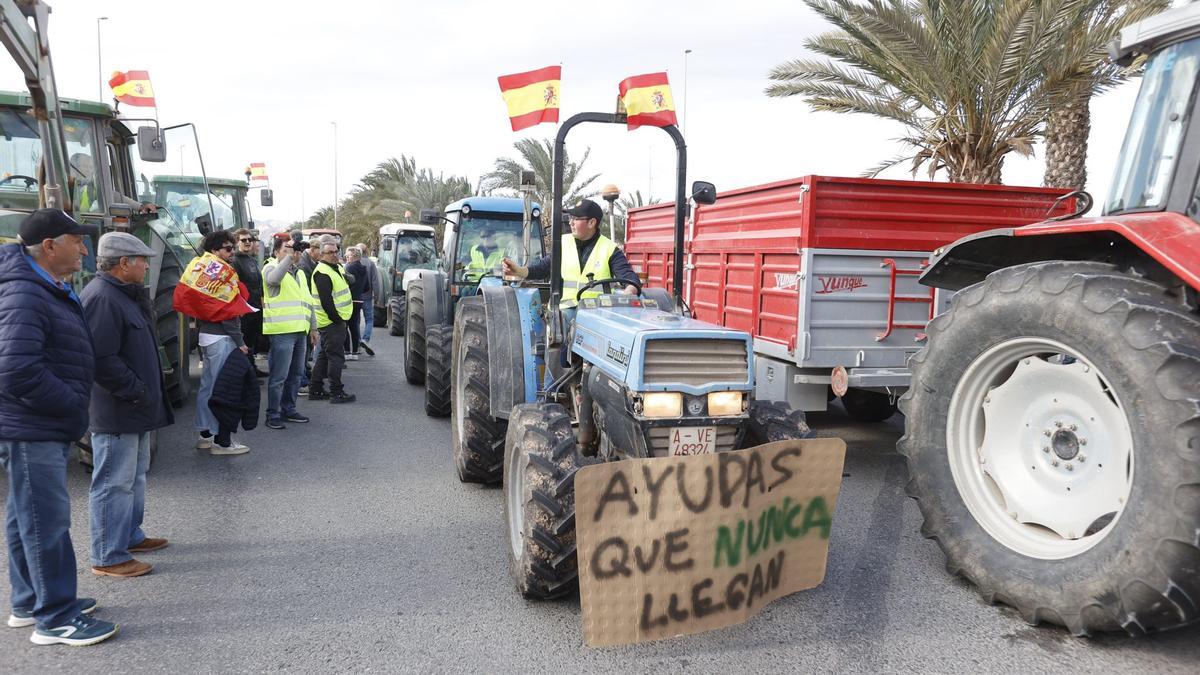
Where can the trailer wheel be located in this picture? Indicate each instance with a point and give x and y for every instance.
(477, 437)
(774, 421)
(437, 371)
(171, 328)
(868, 406)
(397, 313)
(1053, 443)
(541, 460)
(414, 340)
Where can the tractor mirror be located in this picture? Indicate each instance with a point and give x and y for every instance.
(430, 217)
(704, 192)
(150, 145)
(204, 223)
(267, 197)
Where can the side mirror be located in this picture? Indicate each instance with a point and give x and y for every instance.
(430, 217)
(266, 197)
(704, 192)
(204, 223)
(151, 147)
(120, 210)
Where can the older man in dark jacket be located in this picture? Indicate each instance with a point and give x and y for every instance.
(46, 371)
(128, 402)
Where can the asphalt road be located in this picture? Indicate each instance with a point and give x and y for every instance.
(349, 545)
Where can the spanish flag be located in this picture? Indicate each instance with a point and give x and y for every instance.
(647, 100)
(133, 88)
(258, 171)
(209, 290)
(532, 97)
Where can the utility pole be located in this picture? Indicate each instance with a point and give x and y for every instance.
(99, 65)
(335, 183)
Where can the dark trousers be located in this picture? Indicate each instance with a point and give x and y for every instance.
(252, 327)
(331, 360)
(355, 330)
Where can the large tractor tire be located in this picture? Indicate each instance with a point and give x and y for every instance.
(437, 371)
(772, 421)
(541, 460)
(397, 316)
(476, 437)
(868, 406)
(379, 317)
(414, 340)
(1053, 443)
(172, 331)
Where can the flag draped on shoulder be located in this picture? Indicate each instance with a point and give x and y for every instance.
(209, 290)
(132, 88)
(647, 100)
(258, 171)
(532, 97)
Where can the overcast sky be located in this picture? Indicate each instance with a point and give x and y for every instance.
(265, 80)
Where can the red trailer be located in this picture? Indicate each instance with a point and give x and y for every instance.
(822, 271)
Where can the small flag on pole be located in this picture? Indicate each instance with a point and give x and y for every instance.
(532, 97)
(258, 171)
(648, 102)
(132, 88)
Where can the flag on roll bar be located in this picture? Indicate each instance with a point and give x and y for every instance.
(647, 100)
(133, 88)
(532, 97)
(258, 171)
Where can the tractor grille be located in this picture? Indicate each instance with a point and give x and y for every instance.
(658, 439)
(695, 362)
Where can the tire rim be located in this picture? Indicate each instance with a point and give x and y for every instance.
(514, 489)
(457, 407)
(1040, 448)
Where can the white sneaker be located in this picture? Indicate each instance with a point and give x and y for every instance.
(352, 357)
(234, 448)
(204, 443)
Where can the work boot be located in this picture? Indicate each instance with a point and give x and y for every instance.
(342, 397)
(149, 544)
(130, 568)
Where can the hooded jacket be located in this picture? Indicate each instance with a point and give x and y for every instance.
(46, 362)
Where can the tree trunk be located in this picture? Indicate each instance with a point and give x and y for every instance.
(1067, 130)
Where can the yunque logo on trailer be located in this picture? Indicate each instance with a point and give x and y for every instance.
(618, 354)
(840, 284)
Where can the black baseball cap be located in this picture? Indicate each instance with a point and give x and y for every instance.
(587, 209)
(46, 224)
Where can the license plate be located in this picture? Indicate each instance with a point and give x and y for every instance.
(685, 441)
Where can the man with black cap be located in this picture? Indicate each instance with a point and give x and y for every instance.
(585, 251)
(46, 372)
(128, 402)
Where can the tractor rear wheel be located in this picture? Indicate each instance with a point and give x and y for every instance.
(414, 340)
(868, 406)
(379, 316)
(437, 371)
(172, 331)
(397, 313)
(772, 421)
(1053, 444)
(540, 463)
(477, 437)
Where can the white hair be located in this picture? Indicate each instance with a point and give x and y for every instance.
(35, 250)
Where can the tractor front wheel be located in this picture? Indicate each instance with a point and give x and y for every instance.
(437, 371)
(772, 421)
(1053, 443)
(863, 405)
(414, 340)
(397, 314)
(476, 436)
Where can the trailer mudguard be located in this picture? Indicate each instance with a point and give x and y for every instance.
(435, 297)
(1167, 241)
(506, 349)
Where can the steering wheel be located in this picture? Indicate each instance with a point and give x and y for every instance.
(607, 284)
(30, 181)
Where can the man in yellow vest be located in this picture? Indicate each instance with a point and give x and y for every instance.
(289, 322)
(484, 256)
(585, 251)
(333, 308)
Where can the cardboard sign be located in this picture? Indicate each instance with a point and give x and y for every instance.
(677, 545)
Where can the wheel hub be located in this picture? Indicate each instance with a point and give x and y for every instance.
(1065, 443)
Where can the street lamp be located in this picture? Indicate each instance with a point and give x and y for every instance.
(685, 65)
(99, 66)
(610, 193)
(335, 183)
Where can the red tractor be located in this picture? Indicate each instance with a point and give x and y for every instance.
(1053, 420)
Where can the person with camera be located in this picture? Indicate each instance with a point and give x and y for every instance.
(290, 324)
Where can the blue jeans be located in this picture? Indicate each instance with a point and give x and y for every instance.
(41, 560)
(118, 495)
(286, 363)
(368, 315)
(214, 358)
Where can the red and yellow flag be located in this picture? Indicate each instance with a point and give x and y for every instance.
(648, 102)
(132, 88)
(209, 290)
(532, 97)
(258, 171)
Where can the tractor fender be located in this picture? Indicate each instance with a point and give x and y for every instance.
(1160, 244)
(407, 277)
(435, 297)
(506, 349)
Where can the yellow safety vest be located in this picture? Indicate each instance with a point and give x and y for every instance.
(341, 295)
(289, 310)
(481, 264)
(575, 277)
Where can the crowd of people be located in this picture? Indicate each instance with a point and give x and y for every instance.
(87, 367)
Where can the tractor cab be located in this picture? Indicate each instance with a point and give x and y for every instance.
(200, 205)
(405, 249)
(482, 231)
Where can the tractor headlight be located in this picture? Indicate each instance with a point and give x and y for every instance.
(662, 404)
(722, 403)
(536, 213)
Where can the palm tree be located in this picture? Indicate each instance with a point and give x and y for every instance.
(1069, 121)
(424, 190)
(970, 80)
(538, 156)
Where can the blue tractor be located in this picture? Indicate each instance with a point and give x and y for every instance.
(539, 391)
(478, 233)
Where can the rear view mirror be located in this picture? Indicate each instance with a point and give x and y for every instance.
(704, 192)
(151, 147)
(430, 217)
(204, 223)
(266, 197)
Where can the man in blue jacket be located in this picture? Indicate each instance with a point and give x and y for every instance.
(46, 370)
(128, 402)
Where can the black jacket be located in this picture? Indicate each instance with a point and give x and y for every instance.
(235, 395)
(360, 287)
(324, 286)
(129, 395)
(248, 273)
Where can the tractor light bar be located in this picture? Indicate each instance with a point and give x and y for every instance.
(725, 403)
(662, 404)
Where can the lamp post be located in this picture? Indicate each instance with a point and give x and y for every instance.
(683, 126)
(610, 193)
(99, 65)
(335, 183)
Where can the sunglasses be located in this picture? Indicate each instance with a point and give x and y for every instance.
(247, 241)
(227, 247)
